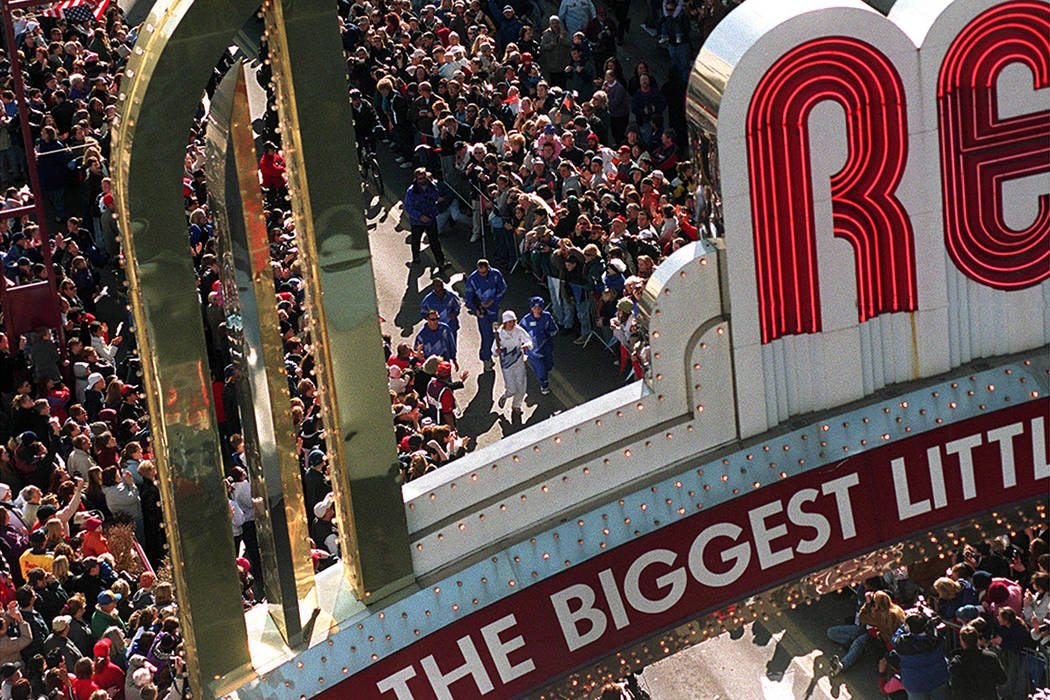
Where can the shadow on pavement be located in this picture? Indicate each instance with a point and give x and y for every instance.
(479, 416)
(408, 313)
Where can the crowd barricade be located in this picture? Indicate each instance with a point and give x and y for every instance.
(1035, 659)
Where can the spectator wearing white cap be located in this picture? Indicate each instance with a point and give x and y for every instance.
(511, 345)
(322, 529)
(59, 639)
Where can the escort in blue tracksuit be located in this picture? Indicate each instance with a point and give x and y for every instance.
(436, 338)
(542, 328)
(445, 302)
(485, 290)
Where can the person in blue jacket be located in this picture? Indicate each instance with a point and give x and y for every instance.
(485, 290)
(421, 205)
(436, 338)
(924, 668)
(542, 328)
(443, 300)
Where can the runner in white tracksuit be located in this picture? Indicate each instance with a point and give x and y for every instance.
(511, 345)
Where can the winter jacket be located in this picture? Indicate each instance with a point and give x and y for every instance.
(1014, 596)
(975, 673)
(648, 105)
(80, 462)
(923, 666)
(271, 165)
(123, 499)
(421, 201)
(483, 288)
(948, 609)
(619, 102)
(11, 648)
(575, 15)
(554, 50)
(52, 158)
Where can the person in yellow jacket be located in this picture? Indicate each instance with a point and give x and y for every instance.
(37, 554)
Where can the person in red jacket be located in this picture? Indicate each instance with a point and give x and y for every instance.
(272, 168)
(107, 675)
(83, 685)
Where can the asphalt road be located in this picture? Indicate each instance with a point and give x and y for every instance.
(784, 658)
(580, 373)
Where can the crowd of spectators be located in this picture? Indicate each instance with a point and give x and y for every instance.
(569, 172)
(575, 173)
(980, 630)
(81, 530)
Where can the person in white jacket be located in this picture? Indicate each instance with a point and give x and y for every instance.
(511, 345)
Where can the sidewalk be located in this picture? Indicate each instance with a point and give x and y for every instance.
(786, 658)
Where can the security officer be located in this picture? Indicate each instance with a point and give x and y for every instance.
(485, 290)
(443, 300)
(542, 328)
(436, 338)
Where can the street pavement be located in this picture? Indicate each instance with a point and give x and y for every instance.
(784, 658)
(580, 373)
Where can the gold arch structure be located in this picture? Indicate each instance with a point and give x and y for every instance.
(177, 49)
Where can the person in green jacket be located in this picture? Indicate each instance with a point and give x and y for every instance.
(105, 615)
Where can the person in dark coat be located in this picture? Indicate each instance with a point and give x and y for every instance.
(974, 672)
(315, 484)
(230, 408)
(924, 669)
(52, 157)
(421, 204)
(152, 516)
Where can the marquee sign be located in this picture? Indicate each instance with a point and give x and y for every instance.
(730, 551)
(886, 188)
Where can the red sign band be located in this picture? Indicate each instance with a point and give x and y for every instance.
(702, 562)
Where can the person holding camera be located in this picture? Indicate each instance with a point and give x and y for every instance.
(15, 635)
(924, 668)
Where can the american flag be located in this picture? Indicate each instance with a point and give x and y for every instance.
(78, 10)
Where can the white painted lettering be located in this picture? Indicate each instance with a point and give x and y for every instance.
(964, 448)
(1039, 459)
(612, 596)
(840, 487)
(739, 554)
(674, 578)
(817, 521)
(568, 620)
(398, 683)
(500, 651)
(905, 508)
(472, 666)
(933, 460)
(764, 536)
(1005, 437)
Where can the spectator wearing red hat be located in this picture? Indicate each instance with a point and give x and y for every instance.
(107, 675)
(94, 543)
(143, 597)
(996, 592)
